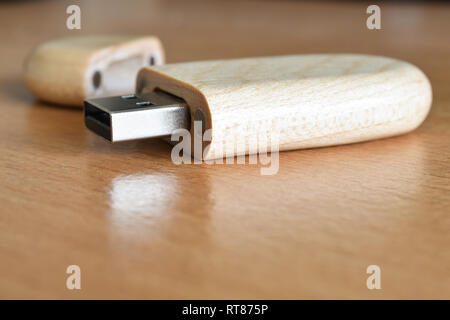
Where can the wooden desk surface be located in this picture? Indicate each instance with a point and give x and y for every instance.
(141, 227)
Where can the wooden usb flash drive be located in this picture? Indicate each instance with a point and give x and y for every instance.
(311, 100)
(69, 70)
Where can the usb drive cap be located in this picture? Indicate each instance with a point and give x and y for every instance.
(131, 117)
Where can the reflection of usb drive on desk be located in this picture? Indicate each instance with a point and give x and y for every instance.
(311, 100)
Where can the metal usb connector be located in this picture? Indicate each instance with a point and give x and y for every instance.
(131, 117)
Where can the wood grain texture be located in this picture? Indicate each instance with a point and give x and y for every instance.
(297, 101)
(141, 227)
(68, 70)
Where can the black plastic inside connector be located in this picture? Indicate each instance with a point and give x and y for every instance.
(97, 120)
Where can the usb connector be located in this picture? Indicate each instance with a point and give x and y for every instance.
(131, 117)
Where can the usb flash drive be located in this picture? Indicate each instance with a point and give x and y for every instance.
(308, 100)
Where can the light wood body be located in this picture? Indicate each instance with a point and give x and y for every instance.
(62, 71)
(298, 101)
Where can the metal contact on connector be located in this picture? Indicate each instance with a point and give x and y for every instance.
(131, 117)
